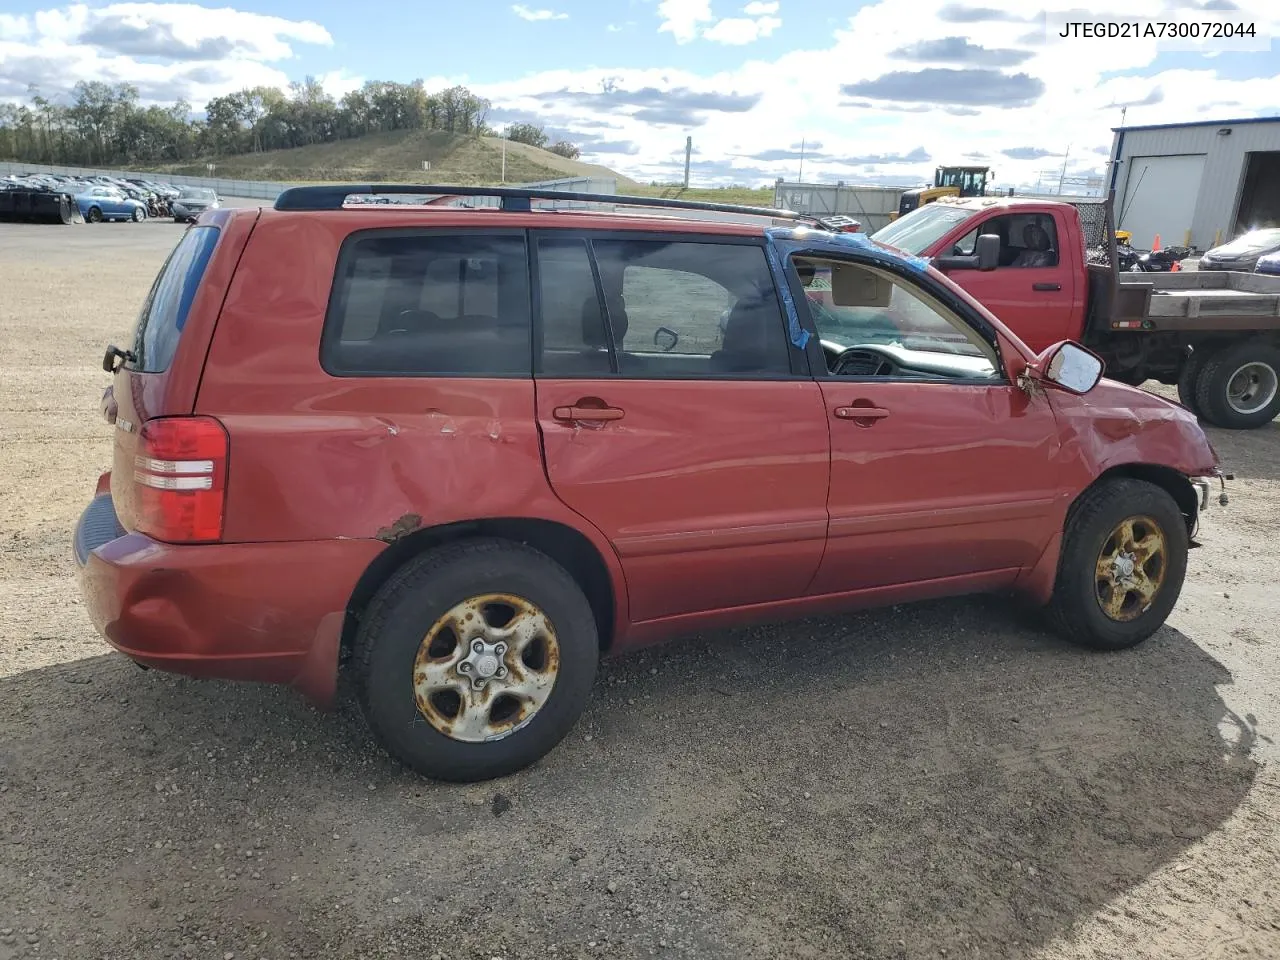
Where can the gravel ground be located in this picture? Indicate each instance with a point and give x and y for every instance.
(944, 780)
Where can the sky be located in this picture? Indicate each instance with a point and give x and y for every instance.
(868, 91)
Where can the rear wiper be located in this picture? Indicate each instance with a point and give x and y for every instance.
(113, 354)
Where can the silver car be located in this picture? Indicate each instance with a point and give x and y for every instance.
(191, 202)
(1243, 252)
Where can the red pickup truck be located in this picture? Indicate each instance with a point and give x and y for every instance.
(1214, 334)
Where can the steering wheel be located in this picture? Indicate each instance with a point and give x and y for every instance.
(885, 364)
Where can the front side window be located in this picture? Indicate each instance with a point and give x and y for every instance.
(889, 327)
(1026, 240)
(429, 304)
(692, 309)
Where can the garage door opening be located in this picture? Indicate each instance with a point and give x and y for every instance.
(1260, 196)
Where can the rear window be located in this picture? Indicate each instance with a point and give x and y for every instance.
(429, 305)
(164, 314)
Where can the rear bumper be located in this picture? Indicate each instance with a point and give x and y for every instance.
(269, 612)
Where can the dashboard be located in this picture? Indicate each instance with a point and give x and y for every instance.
(900, 361)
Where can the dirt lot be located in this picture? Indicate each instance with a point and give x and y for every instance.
(939, 781)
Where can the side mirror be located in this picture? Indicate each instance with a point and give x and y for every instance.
(985, 256)
(1068, 365)
(987, 250)
(665, 339)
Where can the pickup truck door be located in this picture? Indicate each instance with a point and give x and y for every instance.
(938, 481)
(1041, 304)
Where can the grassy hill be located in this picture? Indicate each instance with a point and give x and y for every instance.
(397, 157)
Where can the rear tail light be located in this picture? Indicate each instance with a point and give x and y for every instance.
(180, 476)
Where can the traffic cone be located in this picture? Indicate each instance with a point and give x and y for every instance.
(1177, 265)
(1155, 244)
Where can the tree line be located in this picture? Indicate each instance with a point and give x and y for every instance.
(102, 124)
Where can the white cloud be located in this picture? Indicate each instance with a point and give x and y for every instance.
(168, 50)
(14, 26)
(338, 83)
(685, 19)
(524, 13)
(682, 18)
(739, 30)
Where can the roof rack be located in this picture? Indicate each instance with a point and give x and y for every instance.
(515, 199)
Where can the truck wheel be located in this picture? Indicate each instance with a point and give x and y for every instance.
(1239, 388)
(1187, 380)
(1124, 557)
(475, 659)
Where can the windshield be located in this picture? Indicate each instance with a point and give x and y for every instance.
(1252, 242)
(922, 227)
(197, 193)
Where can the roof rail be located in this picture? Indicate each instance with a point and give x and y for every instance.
(514, 199)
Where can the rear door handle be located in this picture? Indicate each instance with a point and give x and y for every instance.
(861, 413)
(570, 414)
(1048, 287)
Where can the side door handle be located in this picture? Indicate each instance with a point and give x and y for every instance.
(576, 413)
(1046, 287)
(863, 416)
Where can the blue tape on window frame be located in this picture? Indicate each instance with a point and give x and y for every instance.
(864, 242)
(799, 335)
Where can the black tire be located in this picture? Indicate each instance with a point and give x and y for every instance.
(1187, 380)
(1075, 611)
(139, 215)
(404, 611)
(1215, 377)
(95, 215)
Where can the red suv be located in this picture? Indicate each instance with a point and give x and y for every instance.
(461, 453)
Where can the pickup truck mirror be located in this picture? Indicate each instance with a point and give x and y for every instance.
(985, 256)
(1068, 365)
(987, 250)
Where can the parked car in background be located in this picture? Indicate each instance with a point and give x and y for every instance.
(1268, 264)
(191, 202)
(462, 454)
(98, 203)
(1242, 253)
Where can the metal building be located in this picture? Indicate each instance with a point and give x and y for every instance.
(1197, 184)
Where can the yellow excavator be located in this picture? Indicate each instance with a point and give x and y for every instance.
(947, 182)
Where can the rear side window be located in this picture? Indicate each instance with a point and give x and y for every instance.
(429, 304)
(164, 313)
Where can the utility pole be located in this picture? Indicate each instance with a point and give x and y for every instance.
(800, 175)
(1063, 174)
(688, 156)
(506, 128)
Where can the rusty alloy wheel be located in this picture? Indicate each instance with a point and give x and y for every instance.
(486, 667)
(1131, 568)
